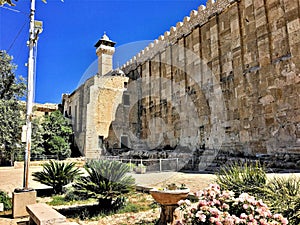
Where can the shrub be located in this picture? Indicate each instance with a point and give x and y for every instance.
(6, 200)
(106, 181)
(242, 178)
(57, 174)
(222, 207)
(73, 195)
(283, 195)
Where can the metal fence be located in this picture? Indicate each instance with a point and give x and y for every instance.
(151, 165)
(43, 157)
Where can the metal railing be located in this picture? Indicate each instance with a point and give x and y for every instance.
(152, 165)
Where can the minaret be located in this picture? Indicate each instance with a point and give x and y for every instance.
(105, 50)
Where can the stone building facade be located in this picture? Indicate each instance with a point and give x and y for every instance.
(92, 106)
(227, 78)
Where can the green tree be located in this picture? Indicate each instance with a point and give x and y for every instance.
(9, 2)
(11, 90)
(57, 133)
(57, 174)
(37, 140)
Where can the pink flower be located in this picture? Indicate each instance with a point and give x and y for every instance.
(214, 186)
(213, 219)
(181, 202)
(277, 216)
(212, 194)
(199, 193)
(216, 202)
(228, 194)
(251, 217)
(214, 212)
(243, 216)
(229, 220)
(284, 221)
(187, 202)
(225, 206)
(261, 204)
(201, 216)
(213, 208)
(202, 203)
(263, 221)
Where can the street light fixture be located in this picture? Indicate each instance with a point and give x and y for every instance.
(35, 28)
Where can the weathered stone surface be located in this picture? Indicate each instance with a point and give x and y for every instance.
(43, 214)
(20, 200)
(225, 78)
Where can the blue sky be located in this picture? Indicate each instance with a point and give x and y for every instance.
(71, 28)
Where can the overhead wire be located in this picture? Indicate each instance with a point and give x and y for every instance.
(14, 40)
(16, 37)
(13, 10)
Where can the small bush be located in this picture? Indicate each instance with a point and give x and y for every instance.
(6, 200)
(283, 196)
(242, 178)
(57, 174)
(107, 181)
(73, 195)
(216, 206)
(58, 200)
(133, 207)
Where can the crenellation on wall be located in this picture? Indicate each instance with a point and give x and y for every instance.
(196, 18)
(236, 45)
(226, 77)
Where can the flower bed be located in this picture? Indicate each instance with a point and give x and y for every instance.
(223, 208)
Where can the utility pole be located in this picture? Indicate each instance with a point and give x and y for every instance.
(33, 34)
(26, 196)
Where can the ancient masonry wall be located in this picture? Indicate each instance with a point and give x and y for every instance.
(226, 77)
(91, 109)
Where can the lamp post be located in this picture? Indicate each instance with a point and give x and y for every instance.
(35, 28)
(25, 196)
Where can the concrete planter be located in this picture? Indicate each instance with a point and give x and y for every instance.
(168, 200)
(140, 169)
(169, 197)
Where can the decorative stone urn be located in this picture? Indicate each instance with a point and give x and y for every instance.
(168, 200)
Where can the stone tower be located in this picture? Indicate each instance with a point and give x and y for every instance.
(105, 50)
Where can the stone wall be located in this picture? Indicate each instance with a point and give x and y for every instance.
(91, 109)
(227, 77)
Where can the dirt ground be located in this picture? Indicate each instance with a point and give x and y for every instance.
(11, 178)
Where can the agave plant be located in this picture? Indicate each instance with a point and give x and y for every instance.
(240, 178)
(106, 181)
(283, 195)
(57, 174)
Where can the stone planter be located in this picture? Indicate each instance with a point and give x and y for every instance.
(168, 200)
(140, 169)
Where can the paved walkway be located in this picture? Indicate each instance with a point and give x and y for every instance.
(12, 178)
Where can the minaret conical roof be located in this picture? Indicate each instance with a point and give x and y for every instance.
(105, 41)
